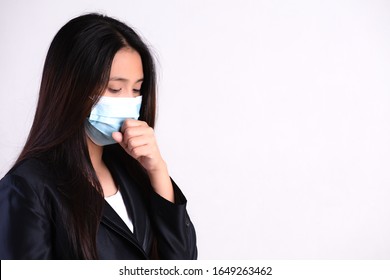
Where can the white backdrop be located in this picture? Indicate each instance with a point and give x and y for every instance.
(274, 116)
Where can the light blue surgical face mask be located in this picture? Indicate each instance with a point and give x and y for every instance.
(108, 115)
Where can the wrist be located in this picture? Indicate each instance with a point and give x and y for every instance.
(161, 182)
(159, 169)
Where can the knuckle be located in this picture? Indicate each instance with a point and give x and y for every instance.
(136, 152)
(128, 132)
(126, 122)
(132, 142)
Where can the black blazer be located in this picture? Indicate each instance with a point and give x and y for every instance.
(31, 226)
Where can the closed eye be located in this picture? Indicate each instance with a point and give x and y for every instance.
(114, 90)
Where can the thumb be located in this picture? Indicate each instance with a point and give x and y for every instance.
(117, 136)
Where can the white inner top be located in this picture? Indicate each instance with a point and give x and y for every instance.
(116, 202)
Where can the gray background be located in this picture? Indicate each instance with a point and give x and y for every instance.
(273, 115)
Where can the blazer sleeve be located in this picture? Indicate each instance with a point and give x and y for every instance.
(24, 226)
(176, 238)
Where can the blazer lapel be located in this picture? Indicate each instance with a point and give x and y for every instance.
(112, 220)
(137, 211)
(135, 206)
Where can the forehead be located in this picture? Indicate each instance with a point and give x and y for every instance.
(127, 64)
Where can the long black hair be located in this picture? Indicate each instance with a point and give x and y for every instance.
(75, 75)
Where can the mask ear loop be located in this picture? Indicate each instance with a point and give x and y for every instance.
(94, 99)
(92, 105)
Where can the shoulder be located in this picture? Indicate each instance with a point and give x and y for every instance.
(30, 177)
(28, 209)
(31, 169)
(30, 166)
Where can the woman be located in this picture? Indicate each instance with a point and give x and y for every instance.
(90, 182)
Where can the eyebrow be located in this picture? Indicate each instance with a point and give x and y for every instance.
(124, 80)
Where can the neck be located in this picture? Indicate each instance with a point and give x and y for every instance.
(103, 174)
(95, 153)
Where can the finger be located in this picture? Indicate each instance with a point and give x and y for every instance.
(138, 141)
(117, 136)
(141, 151)
(130, 132)
(132, 123)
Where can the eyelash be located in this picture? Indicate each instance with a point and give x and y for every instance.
(112, 90)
